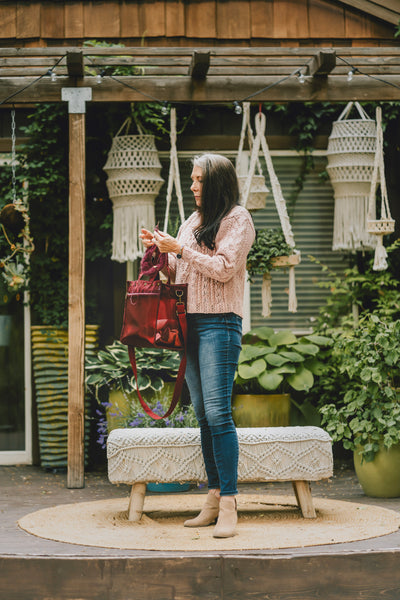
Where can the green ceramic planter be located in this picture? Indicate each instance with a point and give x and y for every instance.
(261, 410)
(380, 478)
(50, 373)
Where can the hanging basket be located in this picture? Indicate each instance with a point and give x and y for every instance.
(351, 152)
(133, 168)
(384, 225)
(252, 189)
(258, 192)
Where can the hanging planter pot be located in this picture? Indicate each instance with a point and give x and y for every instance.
(258, 192)
(253, 191)
(385, 224)
(351, 152)
(133, 168)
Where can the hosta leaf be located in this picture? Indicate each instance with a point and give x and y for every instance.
(263, 333)
(251, 371)
(282, 338)
(144, 382)
(306, 348)
(270, 380)
(249, 352)
(293, 356)
(315, 366)
(321, 340)
(157, 383)
(302, 380)
(276, 360)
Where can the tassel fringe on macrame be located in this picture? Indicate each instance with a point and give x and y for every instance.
(128, 221)
(260, 142)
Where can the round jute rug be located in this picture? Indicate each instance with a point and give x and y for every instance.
(265, 522)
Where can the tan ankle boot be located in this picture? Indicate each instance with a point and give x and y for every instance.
(227, 518)
(209, 512)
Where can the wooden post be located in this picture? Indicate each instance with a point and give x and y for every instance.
(76, 98)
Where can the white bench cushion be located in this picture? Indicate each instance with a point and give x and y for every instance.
(265, 454)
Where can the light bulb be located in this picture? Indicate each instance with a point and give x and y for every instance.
(238, 109)
(302, 79)
(164, 109)
(53, 76)
(350, 75)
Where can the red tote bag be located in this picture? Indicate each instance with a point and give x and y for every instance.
(155, 317)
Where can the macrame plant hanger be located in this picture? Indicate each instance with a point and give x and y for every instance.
(253, 196)
(385, 224)
(133, 168)
(351, 151)
(294, 259)
(15, 218)
(174, 176)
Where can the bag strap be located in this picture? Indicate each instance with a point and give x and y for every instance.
(180, 309)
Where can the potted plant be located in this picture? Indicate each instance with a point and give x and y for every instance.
(270, 251)
(109, 376)
(366, 412)
(271, 365)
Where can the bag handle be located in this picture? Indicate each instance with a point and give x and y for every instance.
(180, 309)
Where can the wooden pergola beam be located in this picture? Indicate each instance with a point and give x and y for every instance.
(199, 65)
(75, 64)
(213, 89)
(322, 64)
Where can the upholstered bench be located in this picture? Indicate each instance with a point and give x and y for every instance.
(142, 455)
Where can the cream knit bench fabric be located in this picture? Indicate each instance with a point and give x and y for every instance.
(141, 455)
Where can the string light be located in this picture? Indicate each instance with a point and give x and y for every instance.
(237, 104)
(99, 76)
(52, 74)
(350, 74)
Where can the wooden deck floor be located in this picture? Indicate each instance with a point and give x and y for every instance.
(32, 568)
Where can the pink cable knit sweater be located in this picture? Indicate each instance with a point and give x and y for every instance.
(216, 277)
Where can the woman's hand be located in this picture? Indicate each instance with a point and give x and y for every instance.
(165, 242)
(147, 238)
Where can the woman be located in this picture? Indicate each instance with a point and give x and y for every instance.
(210, 254)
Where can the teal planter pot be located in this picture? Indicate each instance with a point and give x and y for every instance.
(168, 487)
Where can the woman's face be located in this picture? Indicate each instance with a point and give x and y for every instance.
(197, 185)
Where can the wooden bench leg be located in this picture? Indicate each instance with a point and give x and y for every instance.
(136, 501)
(302, 491)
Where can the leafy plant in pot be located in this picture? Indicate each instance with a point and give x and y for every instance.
(109, 376)
(267, 251)
(366, 412)
(272, 365)
(271, 251)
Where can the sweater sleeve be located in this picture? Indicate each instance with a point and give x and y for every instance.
(232, 244)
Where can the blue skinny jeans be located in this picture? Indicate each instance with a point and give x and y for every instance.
(214, 343)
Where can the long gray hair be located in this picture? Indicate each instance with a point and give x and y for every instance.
(220, 193)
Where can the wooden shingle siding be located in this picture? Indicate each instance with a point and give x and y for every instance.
(73, 17)
(325, 20)
(8, 21)
(174, 18)
(192, 22)
(101, 19)
(28, 20)
(52, 20)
